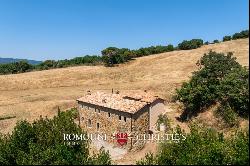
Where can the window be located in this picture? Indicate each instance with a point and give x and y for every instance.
(99, 111)
(109, 115)
(120, 117)
(82, 118)
(125, 119)
(89, 123)
(98, 126)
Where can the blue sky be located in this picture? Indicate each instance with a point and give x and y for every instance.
(60, 29)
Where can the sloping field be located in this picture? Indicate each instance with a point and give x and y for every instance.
(29, 95)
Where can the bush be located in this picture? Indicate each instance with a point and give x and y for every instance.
(206, 43)
(15, 67)
(42, 143)
(202, 146)
(163, 119)
(192, 44)
(241, 35)
(216, 41)
(86, 60)
(227, 38)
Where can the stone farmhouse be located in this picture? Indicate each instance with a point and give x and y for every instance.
(130, 112)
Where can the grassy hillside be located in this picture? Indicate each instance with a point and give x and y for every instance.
(11, 60)
(29, 95)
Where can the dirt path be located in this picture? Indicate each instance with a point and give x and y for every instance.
(115, 152)
(131, 157)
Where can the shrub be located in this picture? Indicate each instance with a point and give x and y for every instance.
(163, 119)
(227, 38)
(15, 67)
(202, 146)
(240, 35)
(86, 60)
(216, 41)
(206, 43)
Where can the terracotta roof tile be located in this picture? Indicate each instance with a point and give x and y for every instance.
(127, 102)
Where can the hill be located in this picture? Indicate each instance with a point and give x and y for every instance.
(11, 60)
(29, 95)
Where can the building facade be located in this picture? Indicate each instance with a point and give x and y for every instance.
(111, 113)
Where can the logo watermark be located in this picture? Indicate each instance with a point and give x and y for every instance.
(121, 137)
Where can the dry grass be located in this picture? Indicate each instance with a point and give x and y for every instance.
(29, 95)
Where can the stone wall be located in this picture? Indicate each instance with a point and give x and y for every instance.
(108, 119)
(140, 126)
(110, 123)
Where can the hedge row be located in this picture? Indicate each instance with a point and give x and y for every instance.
(112, 55)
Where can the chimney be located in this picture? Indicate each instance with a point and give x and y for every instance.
(112, 91)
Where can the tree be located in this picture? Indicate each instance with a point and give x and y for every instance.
(202, 146)
(191, 44)
(170, 47)
(216, 41)
(42, 143)
(208, 85)
(113, 55)
(15, 67)
(240, 35)
(227, 38)
(206, 43)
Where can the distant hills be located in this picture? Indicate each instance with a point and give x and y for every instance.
(11, 60)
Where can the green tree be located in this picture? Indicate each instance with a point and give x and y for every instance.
(206, 43)
(240, 35)
(191, 44)
(207, 86)
(15, 67)
(42, 143)
(202, 146)
(216, 41)
(234, 89)
(227, 38)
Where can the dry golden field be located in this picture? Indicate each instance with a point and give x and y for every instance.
(29, 95)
